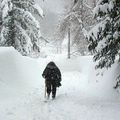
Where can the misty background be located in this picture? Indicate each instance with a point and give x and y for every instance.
(53, 11)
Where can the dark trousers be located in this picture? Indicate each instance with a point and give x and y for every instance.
(51, 86)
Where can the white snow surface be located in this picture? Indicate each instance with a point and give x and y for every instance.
(85, 94)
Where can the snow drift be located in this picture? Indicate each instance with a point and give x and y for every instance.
(83, 88)
(18, 74)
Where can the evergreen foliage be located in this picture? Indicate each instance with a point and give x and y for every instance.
(104, 38)
(20, 28)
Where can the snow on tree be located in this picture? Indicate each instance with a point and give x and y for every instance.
(104, 38)
(0, 18)
(79, 19)
(20, 28)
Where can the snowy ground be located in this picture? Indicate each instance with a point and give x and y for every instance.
(83, 95)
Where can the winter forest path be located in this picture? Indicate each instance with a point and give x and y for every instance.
(72, 101)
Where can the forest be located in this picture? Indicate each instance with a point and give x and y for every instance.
(81, 38)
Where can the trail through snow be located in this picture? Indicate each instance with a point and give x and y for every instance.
(70, 104)
(74, 100)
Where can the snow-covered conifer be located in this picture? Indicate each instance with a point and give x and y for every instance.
(79, 18)
(20, 28)
(104, 38)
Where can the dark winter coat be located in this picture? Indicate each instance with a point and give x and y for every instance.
(52, 74)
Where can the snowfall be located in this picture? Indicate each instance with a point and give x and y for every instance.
(85, 94)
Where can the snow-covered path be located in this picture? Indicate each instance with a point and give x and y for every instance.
(79, 98)
(70, 104)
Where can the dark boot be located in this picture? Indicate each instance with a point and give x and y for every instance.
(48, 96)
(53, 96)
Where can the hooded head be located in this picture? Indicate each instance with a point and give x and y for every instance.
(51, 65)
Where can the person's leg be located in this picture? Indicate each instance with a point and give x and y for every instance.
(53, 91)
(48, 85)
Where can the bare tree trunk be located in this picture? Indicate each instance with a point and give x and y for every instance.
(94, 3)
(69, 43)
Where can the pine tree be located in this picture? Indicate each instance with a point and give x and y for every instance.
(79, 19)
(105, 36)
(20, 28)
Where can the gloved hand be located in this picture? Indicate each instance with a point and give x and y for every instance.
(58, 84)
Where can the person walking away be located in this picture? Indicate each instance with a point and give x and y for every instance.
(52, 77)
